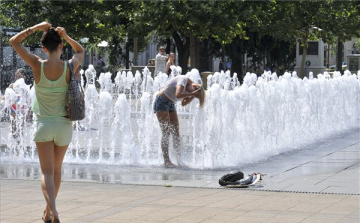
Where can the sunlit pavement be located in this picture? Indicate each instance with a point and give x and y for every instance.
(317, 183)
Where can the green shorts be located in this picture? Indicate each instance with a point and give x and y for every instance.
(57, 129)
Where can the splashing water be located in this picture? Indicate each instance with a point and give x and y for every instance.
(264, 116)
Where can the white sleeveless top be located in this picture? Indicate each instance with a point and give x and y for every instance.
(170, 87)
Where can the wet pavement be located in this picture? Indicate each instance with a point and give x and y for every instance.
(316, 183)
(328, 166)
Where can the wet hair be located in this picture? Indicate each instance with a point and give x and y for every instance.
(51, 39)
(201, 95)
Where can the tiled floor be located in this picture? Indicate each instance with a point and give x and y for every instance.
(21, 201)
(319, 183)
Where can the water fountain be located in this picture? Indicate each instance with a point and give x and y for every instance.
(264, 116)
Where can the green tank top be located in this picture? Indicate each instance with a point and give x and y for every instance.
(50, 95)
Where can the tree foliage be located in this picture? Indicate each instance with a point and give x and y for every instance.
(182, 20)
(266, 30)
(357, 44)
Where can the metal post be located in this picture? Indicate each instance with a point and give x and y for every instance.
(327, 57)
(135, 52)
(307, 64)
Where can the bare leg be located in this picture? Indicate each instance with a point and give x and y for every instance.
(164, 121)
(46, 158)
(174, 129)
(59, 154)
(14, 129)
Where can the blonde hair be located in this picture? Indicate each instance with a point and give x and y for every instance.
(202, 95)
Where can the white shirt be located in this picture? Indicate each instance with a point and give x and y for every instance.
(171, 85)
(160, 62)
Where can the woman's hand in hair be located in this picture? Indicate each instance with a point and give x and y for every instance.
(187, 100)
(44, 26)
(196, 92)
(61, 31)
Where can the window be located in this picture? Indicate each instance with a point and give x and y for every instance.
(313, 49)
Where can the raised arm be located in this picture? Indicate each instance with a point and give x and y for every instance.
(79, 50)
(24, 53)
(165, 57)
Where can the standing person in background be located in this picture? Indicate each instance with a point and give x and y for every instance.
(228, 64)
(101, 62)
(19, 73)
(149, 63)
(221, 66)
(160, 61)
(131, 63)
(169, 63)
(53, 130)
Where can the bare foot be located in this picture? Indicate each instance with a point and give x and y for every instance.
(169, 165)
(46, 217)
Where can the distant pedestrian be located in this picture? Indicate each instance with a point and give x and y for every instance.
(19, 73)
(160, 61)
(14, 108)
(150, 62)
(169, 63)
(101, 62)
(53, 130)
(221, 66)
(228, 64)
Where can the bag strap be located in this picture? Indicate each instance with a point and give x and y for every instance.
(72, 76)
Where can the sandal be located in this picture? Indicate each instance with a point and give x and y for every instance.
(48, 221)
(56, 221)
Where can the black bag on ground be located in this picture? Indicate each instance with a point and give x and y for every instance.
(231, 178)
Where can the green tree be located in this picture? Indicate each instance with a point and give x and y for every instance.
(357, 44)
(96, 20)
(340, 25)
(183, 20)
(78, 20)
(293, 20)
(278, 54)
(310, 20)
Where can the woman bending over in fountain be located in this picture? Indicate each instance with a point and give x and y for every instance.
(177, 88)
(53, 130)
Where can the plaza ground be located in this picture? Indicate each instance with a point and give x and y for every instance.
(317, 183)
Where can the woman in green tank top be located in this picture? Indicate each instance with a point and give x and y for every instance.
(53, 130)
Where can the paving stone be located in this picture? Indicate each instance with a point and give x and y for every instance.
(195, 195)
